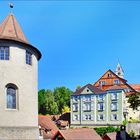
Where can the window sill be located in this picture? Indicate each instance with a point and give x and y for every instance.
(11, 109)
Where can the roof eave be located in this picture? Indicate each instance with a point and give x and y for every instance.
(39, 55)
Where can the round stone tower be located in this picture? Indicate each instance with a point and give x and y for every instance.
(18, 83)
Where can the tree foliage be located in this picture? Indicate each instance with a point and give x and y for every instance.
(54, 102)
(65, 109)
(134, 101)
(62, 97)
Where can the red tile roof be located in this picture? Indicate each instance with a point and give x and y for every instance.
(136, 87)
(46, 123)
(80, 134)
(10, 29)
(91, 87)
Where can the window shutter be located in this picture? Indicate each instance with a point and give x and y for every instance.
(92, 98)
(117, 117)
(92, 106)
(117, 96)
(73, 107)
(103, 106)
(98, 106)
(78, 118)
(73, 117)
(92, 117)
(111, 117)
(117, 106)
(103, 117)
(98, 117)
(112, 107)
(84, 107)
(84, 117)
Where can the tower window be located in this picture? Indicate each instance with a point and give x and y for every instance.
(11, 94)
(4, 53)
(28, 58)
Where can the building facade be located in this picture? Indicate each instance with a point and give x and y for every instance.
(91, 107)
(19, 83)
(104, 102)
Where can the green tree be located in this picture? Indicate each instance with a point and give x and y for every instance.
(62, 97)
(41, 102)
(50, 105)
(46, 103)
(134, 101)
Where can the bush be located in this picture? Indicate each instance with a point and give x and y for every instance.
(103, 130)
(132, 134)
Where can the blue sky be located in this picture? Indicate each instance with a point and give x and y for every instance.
(80, 40)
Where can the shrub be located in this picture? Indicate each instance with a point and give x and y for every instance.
(103, 130)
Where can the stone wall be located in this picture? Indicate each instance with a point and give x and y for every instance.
(19, 133)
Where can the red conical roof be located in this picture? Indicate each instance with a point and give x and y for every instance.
(10, 29)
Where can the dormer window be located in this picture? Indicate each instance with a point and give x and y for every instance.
(102, 83)
(28, 58)
(109, 75)
(116, 81)
(4, 53)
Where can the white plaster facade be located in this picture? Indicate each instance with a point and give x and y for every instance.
(25, 77)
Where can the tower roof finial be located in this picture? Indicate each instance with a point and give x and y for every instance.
(11, 5)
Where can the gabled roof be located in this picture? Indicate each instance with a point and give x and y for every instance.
(121, 79)
(91, 87)
(136, 87)
(10, 29)
(80, 134)
(47, 124)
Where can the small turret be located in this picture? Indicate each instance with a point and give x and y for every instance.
(119, 71)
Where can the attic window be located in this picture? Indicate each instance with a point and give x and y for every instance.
(103, 83)
(87, 90)
(116, 81)
(109, 75)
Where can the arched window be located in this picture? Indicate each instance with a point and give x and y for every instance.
(11, 94)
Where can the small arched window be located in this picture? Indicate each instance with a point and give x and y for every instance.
(11, 94)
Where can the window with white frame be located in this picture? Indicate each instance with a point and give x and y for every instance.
(86, 106)
(75, 98)
(114, 106)
(75, 117)
(100, 106)
(114, 96)
(101, 117)
(87, 98)
(116, 81)
(102, 83)
(28, 58)
(114, 117)
(11, 96)
(75, 107)
(101, 97)
(87, 117)
(4, 53)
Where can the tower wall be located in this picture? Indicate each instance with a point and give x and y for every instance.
(21, 123)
